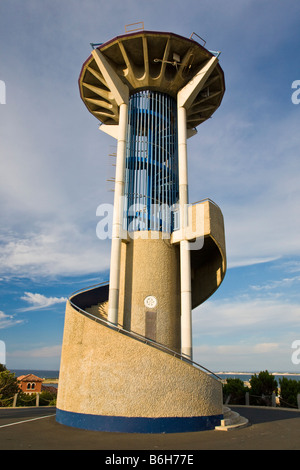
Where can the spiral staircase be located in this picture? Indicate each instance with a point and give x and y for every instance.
(116, 380)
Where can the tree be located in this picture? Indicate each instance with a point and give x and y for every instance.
(8, 386)
(236, 389)
(47, 398)
(261, 388)
(25, 399)
(289, 390)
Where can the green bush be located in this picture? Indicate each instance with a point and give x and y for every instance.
(8, 386)
(26, 399)
(289, 389)
(47, 398)
(236, 389)
(261, 388)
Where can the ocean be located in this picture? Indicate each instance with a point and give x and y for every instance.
(43, 374)
(244, 376)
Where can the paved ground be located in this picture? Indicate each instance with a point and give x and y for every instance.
(36, 428)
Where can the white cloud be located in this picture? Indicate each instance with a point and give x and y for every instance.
(278, 284)
(245, 316)
(243, 356)
(6, 321)
(238, 349)
(265, 347)
(53, 162)
(291, 266)
(58, 174)
(240, 261)
(246, 333)
(54, 250)
(43, 352)
(39, 301)
(252, 173)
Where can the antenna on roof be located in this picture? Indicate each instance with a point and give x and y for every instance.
(128, 28)
(191, 36)
(95, 44)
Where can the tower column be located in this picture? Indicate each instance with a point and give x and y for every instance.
(185, 262)
(115, 261)
(120, 92)
(185, 98)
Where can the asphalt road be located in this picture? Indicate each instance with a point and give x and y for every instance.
(37, 429)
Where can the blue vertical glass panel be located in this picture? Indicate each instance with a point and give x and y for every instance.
(151, 183)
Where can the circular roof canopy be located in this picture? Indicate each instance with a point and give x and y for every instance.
(148, 60)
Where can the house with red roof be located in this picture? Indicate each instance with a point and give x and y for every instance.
(30, 383)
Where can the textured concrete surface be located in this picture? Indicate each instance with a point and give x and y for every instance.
(106, 373)
(151, 267)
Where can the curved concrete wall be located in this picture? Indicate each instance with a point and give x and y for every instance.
(206, 233)
(106, 374)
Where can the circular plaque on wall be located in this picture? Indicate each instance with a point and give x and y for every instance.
(150, 301)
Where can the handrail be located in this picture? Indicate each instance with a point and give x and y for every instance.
(85, 289)
(199, 202)
(205, 200)
(118, 327)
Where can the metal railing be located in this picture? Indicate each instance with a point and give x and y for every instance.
(205, 200)
(176, 211)
(119, 328)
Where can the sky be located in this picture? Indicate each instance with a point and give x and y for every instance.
(55, 164)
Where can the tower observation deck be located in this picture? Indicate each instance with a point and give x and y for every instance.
(163, 62)
(150, 91)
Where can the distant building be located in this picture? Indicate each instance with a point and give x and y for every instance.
(30, 383)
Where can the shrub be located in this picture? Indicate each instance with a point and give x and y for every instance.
(8, 386)
(289, 389)
(26, 399)
(47, 398)
(261, 388)
(236, 389)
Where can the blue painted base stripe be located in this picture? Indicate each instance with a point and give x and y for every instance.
(137, 425)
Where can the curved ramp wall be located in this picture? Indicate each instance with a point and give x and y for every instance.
(113, 382)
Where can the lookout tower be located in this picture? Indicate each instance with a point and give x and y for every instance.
(150, 91)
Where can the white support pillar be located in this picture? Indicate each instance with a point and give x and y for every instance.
(117, 228)
(185, 261)
(185, 99)
(121, 95)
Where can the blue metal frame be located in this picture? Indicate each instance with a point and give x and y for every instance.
(151, 184)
